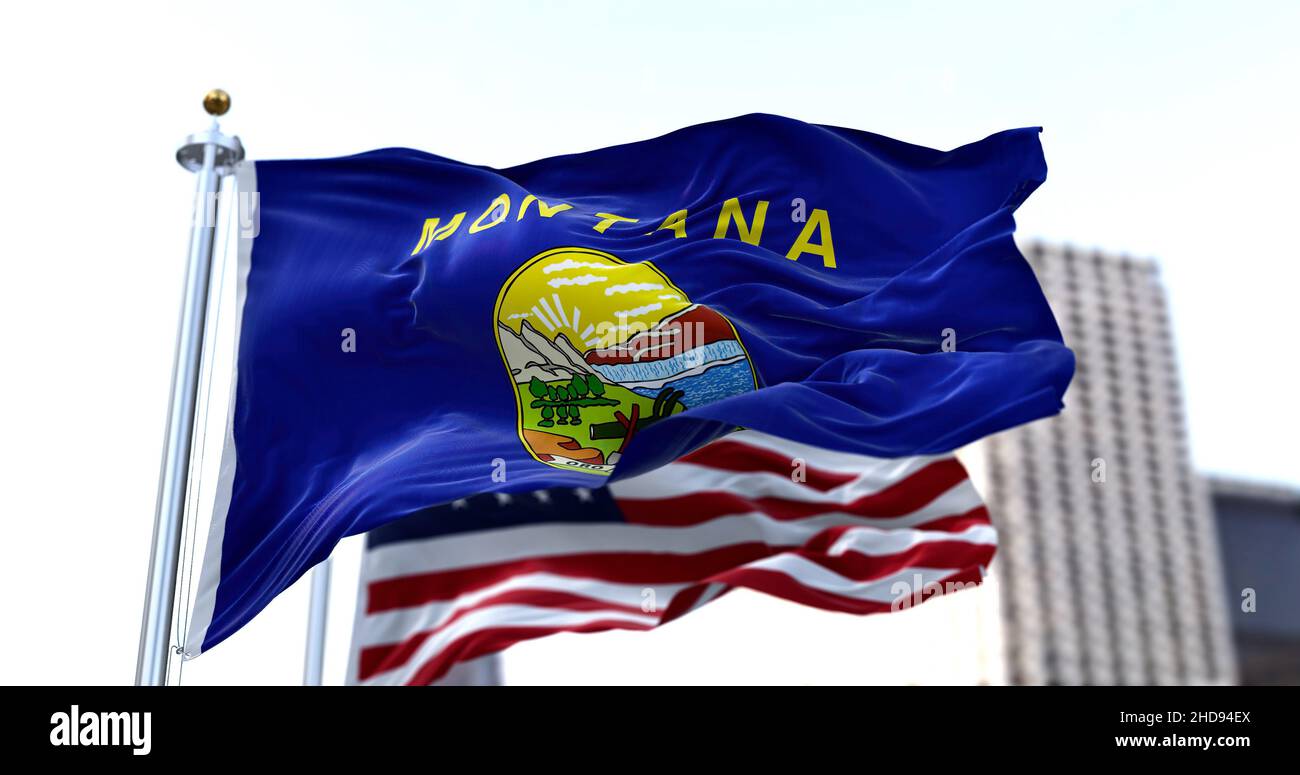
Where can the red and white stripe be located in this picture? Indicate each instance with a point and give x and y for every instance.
(855, 534)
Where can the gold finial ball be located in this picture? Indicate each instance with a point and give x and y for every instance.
(216, 102)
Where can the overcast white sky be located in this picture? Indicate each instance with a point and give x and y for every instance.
(1170, 132)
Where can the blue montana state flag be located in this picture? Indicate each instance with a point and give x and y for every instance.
(415, 330)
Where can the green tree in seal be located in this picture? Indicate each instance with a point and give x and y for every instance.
(561, 402)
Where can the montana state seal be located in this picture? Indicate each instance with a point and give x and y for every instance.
(598, 349)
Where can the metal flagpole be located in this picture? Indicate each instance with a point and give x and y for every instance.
(314, 660)
(212, 156)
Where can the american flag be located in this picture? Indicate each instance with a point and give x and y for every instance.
(455, 583)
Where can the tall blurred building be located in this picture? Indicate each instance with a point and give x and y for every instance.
(1108, 569)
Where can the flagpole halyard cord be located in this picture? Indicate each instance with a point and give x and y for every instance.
(194, 498)
(212, 156)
